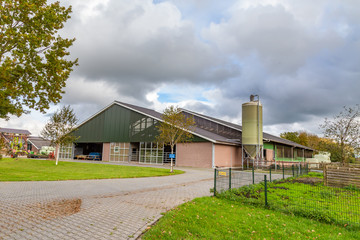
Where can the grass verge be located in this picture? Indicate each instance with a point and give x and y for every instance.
(304, 196)
(46, 170)
(215, 218)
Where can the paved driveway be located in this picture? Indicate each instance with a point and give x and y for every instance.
(110, 209)
(96, 209)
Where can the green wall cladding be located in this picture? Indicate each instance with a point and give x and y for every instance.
(268, 146)
(119, 124)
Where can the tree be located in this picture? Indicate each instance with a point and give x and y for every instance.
(292, 136)
(34, 61)
(344, 129)
(59, 129)
(175, 128)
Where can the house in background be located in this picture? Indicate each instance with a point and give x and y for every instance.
(36, 143)
(123, 132)
(11, 136)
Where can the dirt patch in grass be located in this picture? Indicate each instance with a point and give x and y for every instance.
(309, 180)
(18, 217)
(57, 208)
(285, 188)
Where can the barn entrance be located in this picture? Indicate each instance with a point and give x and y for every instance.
(88, 151)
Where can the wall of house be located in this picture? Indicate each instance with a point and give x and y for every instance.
(227, 156)
(34, 149)
(195, 154)
(269, 155)
(106, 152)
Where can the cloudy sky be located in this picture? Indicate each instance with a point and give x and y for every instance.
(301, 57)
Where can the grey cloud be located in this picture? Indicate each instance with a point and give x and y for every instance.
(121, 48)
(299, 70)
(273, 34)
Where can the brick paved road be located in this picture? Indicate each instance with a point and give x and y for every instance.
(110, 209)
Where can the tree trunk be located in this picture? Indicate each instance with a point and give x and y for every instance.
(57, 154)
(171, 165)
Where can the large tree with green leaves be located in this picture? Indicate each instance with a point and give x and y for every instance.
(59, 129)
(344, 130)
(34, 63)
(175, 128)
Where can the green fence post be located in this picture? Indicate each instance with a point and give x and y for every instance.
(301, 170)
(214, 181)
(229, 178)
(270, 173)
(253, 174)
(283, 172)
(298, 171)
(293, 170)
(307, 169)
(266, 200)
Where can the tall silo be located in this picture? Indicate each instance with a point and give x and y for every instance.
(252, 128)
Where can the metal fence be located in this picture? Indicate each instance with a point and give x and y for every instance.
(227, 178)
(292, 193)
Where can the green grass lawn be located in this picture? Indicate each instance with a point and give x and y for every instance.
(216, 218)
(304, 196)
(46, 170)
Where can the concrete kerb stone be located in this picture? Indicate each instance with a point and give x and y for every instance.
(139, 233)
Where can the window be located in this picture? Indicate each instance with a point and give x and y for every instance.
(66, 151)
(151, 153)
(141, 124)
(283, 151)
(116, 149)
(119, 152)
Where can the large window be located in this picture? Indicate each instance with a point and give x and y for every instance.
(299, 153)
(151, 153)
(119, 152)
(142, 124)
(308, 154)
(66, 151)
(283, 151)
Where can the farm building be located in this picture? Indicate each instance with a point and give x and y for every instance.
(123, 132)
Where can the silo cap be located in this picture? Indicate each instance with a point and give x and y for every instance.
(252, 98)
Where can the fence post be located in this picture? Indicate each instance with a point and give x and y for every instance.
(325, 174)
(298, 172)
(283, 171)
(214, 181)
(301, 170)
(253, 174)
(270, 173)
(229, 178)
(293, 170)
(266, 200)
(307, 168)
